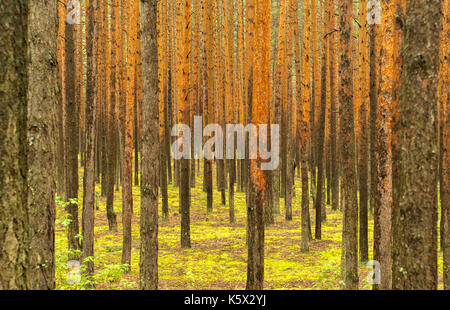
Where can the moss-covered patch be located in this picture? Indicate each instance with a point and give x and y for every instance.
(217, 259)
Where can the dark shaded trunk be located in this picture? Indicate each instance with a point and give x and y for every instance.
(148, 259)
(90, 119)
(71, 142)
(320, 153)
(15, 268)
(350, 207)
(42, 31)
(111, 124)
(415, 243)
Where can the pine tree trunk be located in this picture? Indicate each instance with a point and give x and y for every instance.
(15, 268)
(259, 41)
(415, 243)
(363, 89)
(90, 118)
(70, 143)
(148, 259)
(350, 207)
(183, 118)
(111, 125)
(42, 30)
(132, 10)
(305, 127)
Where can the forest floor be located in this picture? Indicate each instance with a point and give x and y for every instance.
(217, 259)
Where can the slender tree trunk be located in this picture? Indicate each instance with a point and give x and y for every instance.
(90, 118)
(333, 116)
(278, 97)
(398, 59)
(208, 60)
(350, 222)
(305, 126)
(363, 89)
(259, 40)
(70, 143)
(383, 149)
(132, 10)
(183, 117)
(320, 150)
(148, 260)
(111, 125)
(163, 97)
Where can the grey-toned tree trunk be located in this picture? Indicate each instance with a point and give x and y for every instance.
(90, 118)
(71, 141)
(415, 243)
(148, 264)
(15, 268)
(43, 95)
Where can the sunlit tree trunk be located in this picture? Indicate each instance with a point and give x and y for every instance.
(183, 118)
(132, 10)
(60, 186)
(305, 126)
(383, 153)
(259, 38)
(208, 60)
(111, 120)
(362, 136)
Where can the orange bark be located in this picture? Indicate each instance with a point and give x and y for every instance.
(131, 15)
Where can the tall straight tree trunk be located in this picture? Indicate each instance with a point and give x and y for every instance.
(350, 207)
(305, 127)
(132, 9)
(400, 11)
(61, 179)
(315, 99)
(148, 259)
(445, 145)
(90, 118)
(292, 10)
(383, 149)
(320, 131)
(363, 89)
(415, 243)
(208, 59)
(374, 34)
(229, 98)
(111, 120)
(334, 113)
(15, 267)
(70, 140)
(278, 97)
(183, 117)
(163, 97)
(42, 30)
(259, 40)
